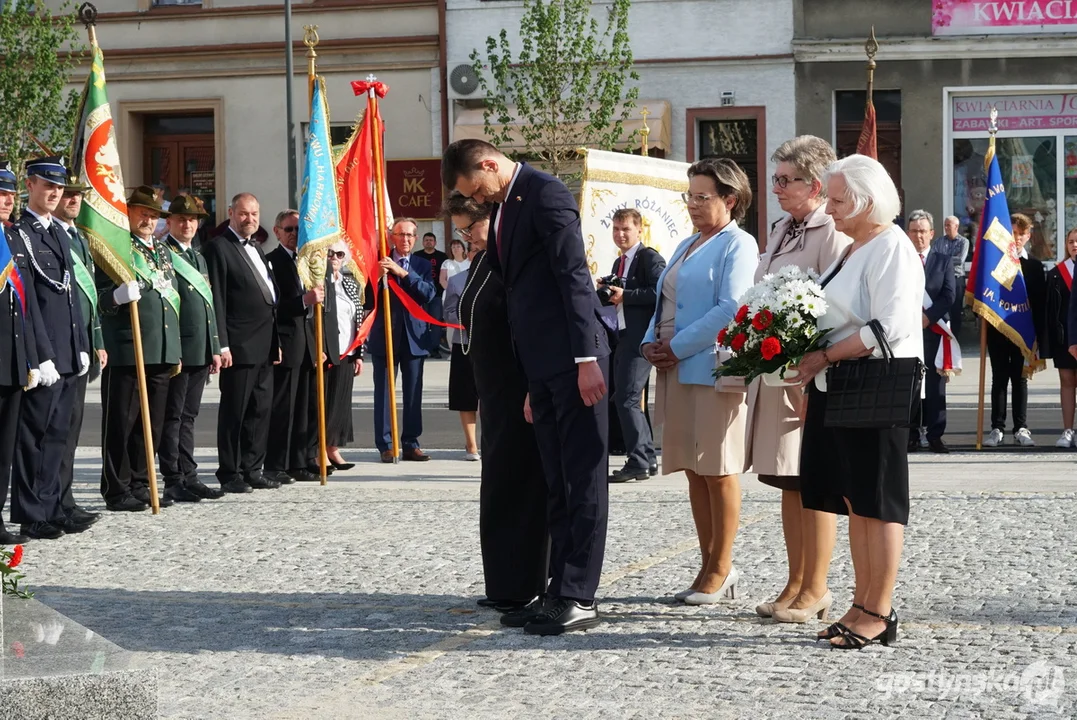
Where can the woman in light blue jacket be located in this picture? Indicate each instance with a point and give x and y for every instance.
(703, 427)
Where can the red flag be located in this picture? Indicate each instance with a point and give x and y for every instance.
(867, 145)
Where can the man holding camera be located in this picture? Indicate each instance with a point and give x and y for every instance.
(631, 288)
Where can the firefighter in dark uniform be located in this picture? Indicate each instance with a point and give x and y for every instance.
(201, 351)
(67, 212)
(62, 351)
(124, 471)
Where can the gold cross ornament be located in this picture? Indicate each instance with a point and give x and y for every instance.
(1010, 264)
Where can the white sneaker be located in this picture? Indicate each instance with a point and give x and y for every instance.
(923, 437)
(1024, 438)
(1065, 440)
(994, 438)
(472, 457)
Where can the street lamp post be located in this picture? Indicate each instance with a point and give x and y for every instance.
(289, 71)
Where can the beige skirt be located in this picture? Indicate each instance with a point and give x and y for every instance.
(702, 428)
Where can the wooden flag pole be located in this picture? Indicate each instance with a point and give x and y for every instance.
(992, 128)
(383, 245)
(310, 39)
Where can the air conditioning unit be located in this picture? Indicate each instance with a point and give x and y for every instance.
(463, 81)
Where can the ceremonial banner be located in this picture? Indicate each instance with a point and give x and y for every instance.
(103, 218)
(652, 186)
(319, 211)
(866, 144)
(9, 273)
(996, 287)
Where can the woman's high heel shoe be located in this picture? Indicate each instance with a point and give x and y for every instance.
(683, 594)
(856, 641)
(801, 615)
(766, 610)
(832, 630)
(728, 589)
(341, 466)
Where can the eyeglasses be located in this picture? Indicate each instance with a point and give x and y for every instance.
(290, 228)
(466, 232)
(783, 182)
(338, 254)
(690, 199)
(405, 235)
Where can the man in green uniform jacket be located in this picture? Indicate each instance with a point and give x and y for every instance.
(124, 472)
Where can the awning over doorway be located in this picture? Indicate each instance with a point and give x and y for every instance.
(469, 125)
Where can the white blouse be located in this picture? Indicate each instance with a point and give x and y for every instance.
(345, 315)
(884, 281)
(453, 267)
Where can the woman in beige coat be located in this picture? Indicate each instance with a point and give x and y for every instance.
(806, 238)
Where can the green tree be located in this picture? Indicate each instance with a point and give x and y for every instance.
(569, 84)
(38, 50)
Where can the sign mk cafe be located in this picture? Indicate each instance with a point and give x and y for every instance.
(414, 187)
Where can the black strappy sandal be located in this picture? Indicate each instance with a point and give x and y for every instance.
(856, 641)
(834, 629)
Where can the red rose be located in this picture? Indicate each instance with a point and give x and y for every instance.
(738, 342)
(741, 314)
(762, 319)
(16, 556)
(721, 336)
(20, 651)
(770, 348)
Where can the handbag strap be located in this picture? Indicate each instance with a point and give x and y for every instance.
(880, 337)
(841, 264)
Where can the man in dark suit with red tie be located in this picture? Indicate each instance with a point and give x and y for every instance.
(245, 299)
(536, 247)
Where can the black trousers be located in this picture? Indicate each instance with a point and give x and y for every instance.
(630, 375)
(176, 450)
(933, 408)
(572, 440)
(293, 420)
(67, 464)
(10, 404)
(44, 424)
(123, 445)
(1007, 367)
(243, 421)
(957, 307)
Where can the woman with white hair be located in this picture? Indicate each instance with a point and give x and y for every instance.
(343, 316)
(863, 473)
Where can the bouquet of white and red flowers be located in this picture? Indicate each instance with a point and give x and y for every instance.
(775, 326)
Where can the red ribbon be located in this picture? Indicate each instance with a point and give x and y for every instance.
(416, 309)
(1066, 276)
(361, 87)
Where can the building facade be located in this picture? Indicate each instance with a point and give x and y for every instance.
(941, 67)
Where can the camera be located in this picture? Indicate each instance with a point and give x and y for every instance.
(605, 283)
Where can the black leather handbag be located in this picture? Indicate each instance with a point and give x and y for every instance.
(872, 392)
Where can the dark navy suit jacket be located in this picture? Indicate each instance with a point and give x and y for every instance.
(407, 330)
(940, 284)
(537, 249)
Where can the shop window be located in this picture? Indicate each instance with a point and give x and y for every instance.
(1071, 185)
(1029, 168)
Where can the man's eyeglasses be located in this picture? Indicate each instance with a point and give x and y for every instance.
(338, 254)
(690, 199)
(405, 235)
(783, 182)
(290, 228)
(466, 232)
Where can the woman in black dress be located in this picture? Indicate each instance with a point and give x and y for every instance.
(1056, 340)
(343, 314)
(512, 497)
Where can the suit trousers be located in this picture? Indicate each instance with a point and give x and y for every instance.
(933, 408)
(630, 375)
(293, 419)
(67, 465)
(10, 404)
(411, 370)
(123, 445)
(1007, 367)
(44, 424)
(176, 450)
(243, 421)
(957, 307)
(572, 440)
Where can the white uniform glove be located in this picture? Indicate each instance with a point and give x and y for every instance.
(126, 293)
(84, 363)
(49, 375)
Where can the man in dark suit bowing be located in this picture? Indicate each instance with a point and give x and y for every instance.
(536, 247)
(245, 298)
(638, 269)
(940, 286)
(414, 276)
(293, 422)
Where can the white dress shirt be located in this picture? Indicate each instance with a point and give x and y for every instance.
(628, 258)
(247, 245)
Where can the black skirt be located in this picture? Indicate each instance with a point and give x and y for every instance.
(339, 381)
(868, 467)
(462, 394)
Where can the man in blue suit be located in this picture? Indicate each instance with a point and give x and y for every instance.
(415, 277)
(939, 285)
(535, 245)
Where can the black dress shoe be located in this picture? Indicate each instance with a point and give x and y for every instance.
(938, 446)
(236, 486)
(520, 618)
(202, 490)
(142, 492)
(508, 606)
(179, 493)
(627, 474)
(914, 445)
(278, 475)
(42, 531)
(486, 602)
(10, 538)
(342, 466)
(82, 514)
(261, 483)
(126, 503)
(304, 476)
(564, 615)
(71, 526)
(653, 469)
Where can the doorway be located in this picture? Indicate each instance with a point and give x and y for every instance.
(179, 153)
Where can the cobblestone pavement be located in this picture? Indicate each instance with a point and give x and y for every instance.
(356, 600)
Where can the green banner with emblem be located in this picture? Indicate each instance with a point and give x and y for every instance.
(190, 273)
(86, 282)
(156, 279)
